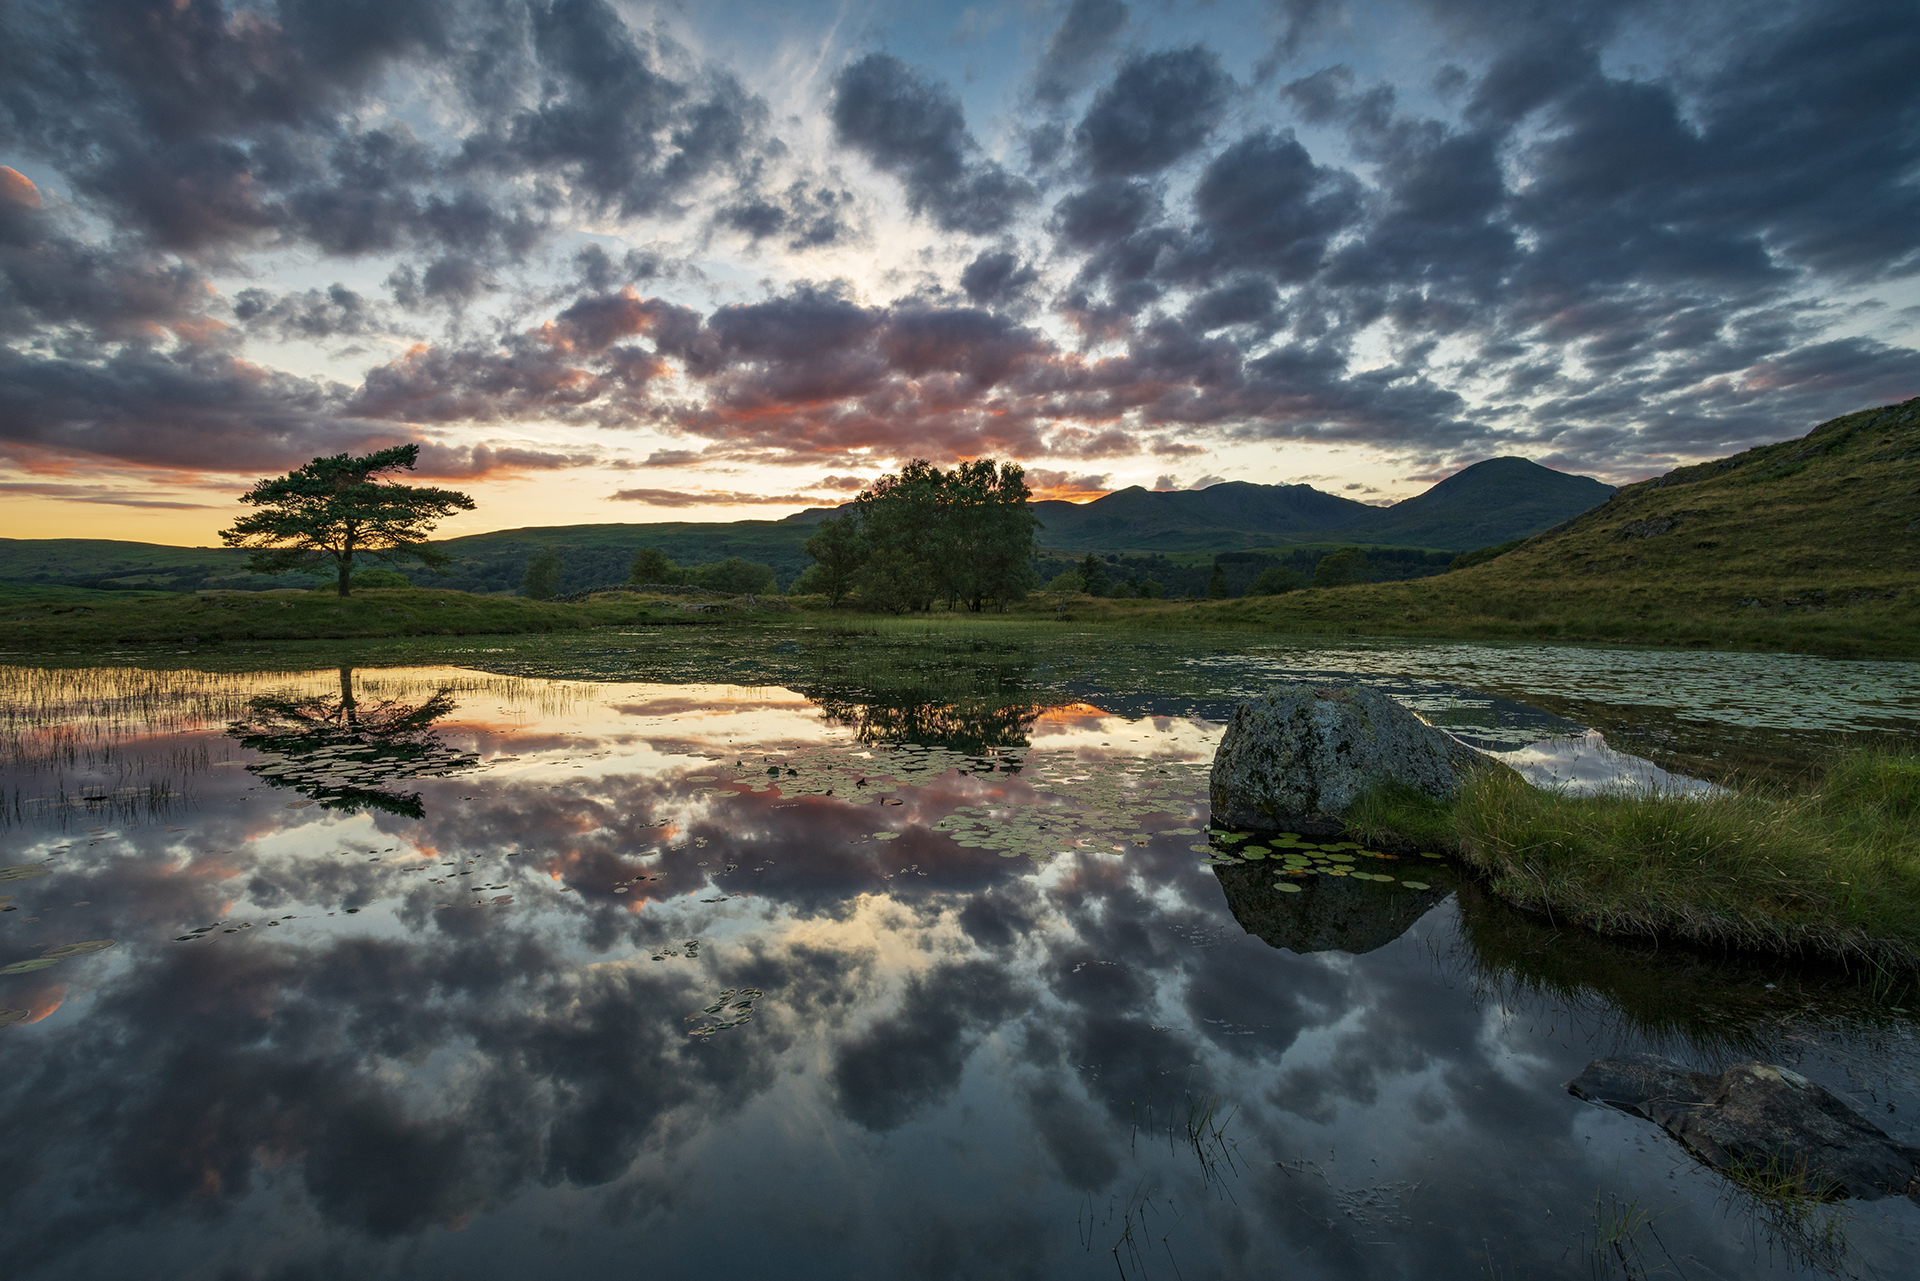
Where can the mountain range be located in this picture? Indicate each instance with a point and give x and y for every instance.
(1490, 502)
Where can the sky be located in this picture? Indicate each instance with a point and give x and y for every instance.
(611, 262)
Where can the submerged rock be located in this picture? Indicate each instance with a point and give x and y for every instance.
(1759, 1118)
(1296, 757)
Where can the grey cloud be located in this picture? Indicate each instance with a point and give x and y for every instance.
(315, 315)
(1088, 30)
(203, 128)
(997, 279)
(915, 130)
(1159, 108)
(805, 215)
(611, 118)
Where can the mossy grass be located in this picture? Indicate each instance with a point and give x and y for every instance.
(32, 621)
(1830, 868)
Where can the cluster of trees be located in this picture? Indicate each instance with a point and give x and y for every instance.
(1091, 576)
(964, 536)
(741, 577)
(1238, 573)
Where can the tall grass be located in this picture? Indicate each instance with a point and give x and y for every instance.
(1830, 868)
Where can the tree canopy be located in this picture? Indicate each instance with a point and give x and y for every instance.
(542, 581)
(335, 509)
(923, 534)
(1339, 568)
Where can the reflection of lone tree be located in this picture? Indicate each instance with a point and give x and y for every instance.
(333, 509)
(343, 754)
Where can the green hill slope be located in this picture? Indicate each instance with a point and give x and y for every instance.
(1812, 544)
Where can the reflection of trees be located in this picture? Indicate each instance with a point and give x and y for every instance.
(972, 728)
(963, 694)
(345, 754)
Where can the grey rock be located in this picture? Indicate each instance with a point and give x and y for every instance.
(1757, 1116)
(1296, 757)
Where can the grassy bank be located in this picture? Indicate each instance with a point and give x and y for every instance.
(1831, 868)
(39, 620)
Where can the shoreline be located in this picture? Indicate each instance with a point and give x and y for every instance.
(31, 626)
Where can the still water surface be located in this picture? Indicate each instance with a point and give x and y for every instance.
(855, 959)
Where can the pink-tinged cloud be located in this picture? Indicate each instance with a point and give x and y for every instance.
(18, 189)
(710, 498)
(1047, 483)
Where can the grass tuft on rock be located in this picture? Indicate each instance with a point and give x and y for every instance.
(1831, 869)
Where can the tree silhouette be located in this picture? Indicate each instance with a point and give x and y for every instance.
(334, 509)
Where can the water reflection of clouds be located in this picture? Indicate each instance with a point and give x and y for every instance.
(942, 1066)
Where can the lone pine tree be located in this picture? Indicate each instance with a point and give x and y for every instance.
(334, 509)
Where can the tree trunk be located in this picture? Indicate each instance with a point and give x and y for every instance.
(346, 574)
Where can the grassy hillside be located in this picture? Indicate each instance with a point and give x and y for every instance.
(1811, 544)
(102, 562)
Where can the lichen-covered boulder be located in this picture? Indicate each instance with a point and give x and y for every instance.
(1758, 1117)
(1296, 757)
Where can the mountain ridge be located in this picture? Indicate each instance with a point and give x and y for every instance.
(1490, 502)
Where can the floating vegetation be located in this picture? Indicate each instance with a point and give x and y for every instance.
(24, 871)
(65, 950)
(734, 1007)
(1300, 857)
(10, 1017)
(55, 955)
(1094, 806)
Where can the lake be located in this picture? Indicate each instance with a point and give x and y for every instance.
(715, 953)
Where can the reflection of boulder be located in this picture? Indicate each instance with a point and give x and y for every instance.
(1761, 1120)
(1327, 914)
(1295, 758)
(345, 755)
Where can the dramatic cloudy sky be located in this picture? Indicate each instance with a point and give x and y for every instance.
(610, 261)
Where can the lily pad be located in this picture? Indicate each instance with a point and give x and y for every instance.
(1416, 885)
(27, 967)
(886, 836)
(12, 1016)
(24, 871)
(65, 950)
(1286, 888)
